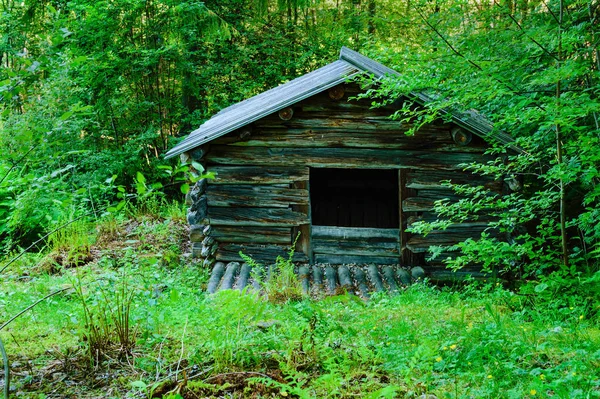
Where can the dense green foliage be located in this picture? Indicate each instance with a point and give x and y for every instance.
(92, 89)
(533, 69)
(92, 93)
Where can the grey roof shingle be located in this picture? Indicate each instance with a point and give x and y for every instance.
(350, 64)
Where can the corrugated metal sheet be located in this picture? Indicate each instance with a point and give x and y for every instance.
(270, 101)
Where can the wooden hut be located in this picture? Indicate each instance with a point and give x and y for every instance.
(303, 158)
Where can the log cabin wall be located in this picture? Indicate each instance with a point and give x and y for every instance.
(260, 199)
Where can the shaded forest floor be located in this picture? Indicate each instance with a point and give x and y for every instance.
(138, 324)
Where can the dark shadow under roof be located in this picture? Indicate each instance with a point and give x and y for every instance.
(349, 64)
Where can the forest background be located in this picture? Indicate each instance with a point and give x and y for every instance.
(92, 94)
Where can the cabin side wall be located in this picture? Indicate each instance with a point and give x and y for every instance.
(260, 198)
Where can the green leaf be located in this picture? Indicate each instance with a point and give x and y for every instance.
(140, 178)
(185, 188)
(66, 115)
(141, 385)
(540, 287)
(198, 166)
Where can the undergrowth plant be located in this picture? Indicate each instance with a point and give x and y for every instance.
(279, 281)
(106, 305)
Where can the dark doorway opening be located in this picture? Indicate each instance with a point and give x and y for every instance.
(354, 197)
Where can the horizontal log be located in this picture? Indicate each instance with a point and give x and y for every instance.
(256, 217)
(340, 157)
(478, 225)
(351, 122)
(259, 253)
(355, 259)
(421, 244)
(425, 201)
(418, 204)
(264, 196)
(258, 175)
(339, 138)
(432, 216)
(432, 180)
(355, 248)
(252, 234)
(336, 233)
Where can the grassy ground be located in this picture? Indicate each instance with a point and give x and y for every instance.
(153, 332)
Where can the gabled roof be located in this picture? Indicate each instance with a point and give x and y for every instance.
(349, 64)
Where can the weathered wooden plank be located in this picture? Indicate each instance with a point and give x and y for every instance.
(426, 141)
(355, 259)
(432, 180)
(425, 200)
(354, 233)
(419, 243)
(431, 217)
(252, 234)
(274, 217)
(260, 253)
(356, 248)
(258, 175)
(354, 123)
(418, 204)
(340, 157)
(264, 196)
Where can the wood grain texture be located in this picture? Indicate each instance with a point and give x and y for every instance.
(339, 158)
(258, 175)
(432, 180)
(264, 196)
(252, 234)
(357, 241)
(275, 217)
(344, 247)
(355, 259)
(354, 233)
(260, 253)
(420, 244)
(341, 138)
